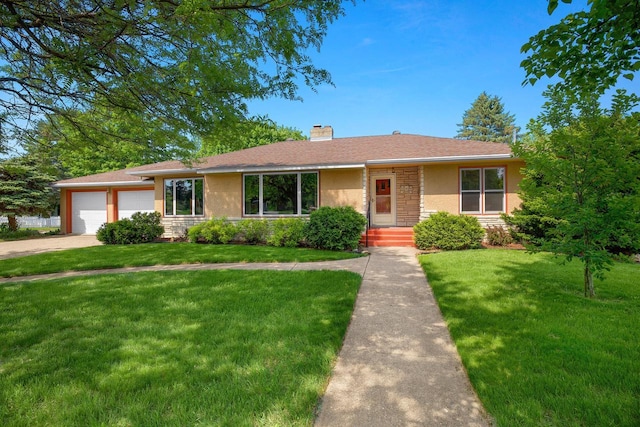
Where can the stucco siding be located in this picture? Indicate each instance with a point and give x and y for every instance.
(223, 195)
(441, 188)
(159, 194)
(341, 187)
(514, 176)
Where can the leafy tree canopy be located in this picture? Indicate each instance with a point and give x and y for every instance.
(252, 133)
(24, 189)
(583, 164)
(589, 50)
(188, 64)
(487, 120)
(110, 141)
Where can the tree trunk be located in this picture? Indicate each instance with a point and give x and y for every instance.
(13, 223)
(589, 290)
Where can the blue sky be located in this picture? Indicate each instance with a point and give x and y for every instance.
(416, 66)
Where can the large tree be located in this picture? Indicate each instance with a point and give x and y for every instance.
(24, 189)
(247, 134)
(112, 142)
(487, 120)
(189, 64)
(583, 171)
(588, 50)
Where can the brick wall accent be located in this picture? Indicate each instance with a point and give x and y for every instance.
(407, 193)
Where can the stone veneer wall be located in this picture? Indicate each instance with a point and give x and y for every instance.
(176, 227)
(407, 193)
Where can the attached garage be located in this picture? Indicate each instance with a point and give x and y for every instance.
(89, 211)
(130, 202)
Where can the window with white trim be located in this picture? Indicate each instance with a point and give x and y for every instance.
(184, 197)
(482, 190)
(280, 193)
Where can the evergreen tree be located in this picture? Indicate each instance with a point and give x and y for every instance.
(487, 120)
(24, 189)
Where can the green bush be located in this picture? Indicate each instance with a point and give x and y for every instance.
(498, 236)
(529, 225)
(445, 231)
(140, 228)
(288, 232)
(7, 234)
(337, 229)
(252, 231)
(216, 231)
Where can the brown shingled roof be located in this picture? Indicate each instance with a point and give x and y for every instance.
(359, 150)
(119, 176)
(336, 152)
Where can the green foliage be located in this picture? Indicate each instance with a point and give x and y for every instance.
(246, 134)
(582, 168)
(73, 152)
(537, 354)
(589, 50)
(215, 231)
(287, 232)
(24, 189)
(335, 228)
(446, 231)
(252, 231)
(6, 233)
(142, 227)
(487, 120)
(498, 236)
(529, 223)
(190, 65)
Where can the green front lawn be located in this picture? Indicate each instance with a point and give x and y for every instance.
(537, 352)
(117, 256)
(237, 348)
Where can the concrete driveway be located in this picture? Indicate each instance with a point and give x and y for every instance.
(45, 244)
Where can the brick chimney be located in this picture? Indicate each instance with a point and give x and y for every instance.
(319, 133)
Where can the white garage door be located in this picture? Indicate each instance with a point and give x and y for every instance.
(89, 211)
(130, 202)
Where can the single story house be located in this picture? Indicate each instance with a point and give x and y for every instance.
(397, 179)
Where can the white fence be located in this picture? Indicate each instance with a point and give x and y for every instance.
(34, 221)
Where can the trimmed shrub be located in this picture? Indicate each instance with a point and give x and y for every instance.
(140, 228)
(498, 236)
(287, 232)
(335, 229)
(215, 231)
(252, 231)
(443, 230)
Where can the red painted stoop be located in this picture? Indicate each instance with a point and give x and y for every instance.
(390, 236)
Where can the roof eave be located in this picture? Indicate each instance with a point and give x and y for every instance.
(258, 169)
(442, 159)
(103, 184)
(161, 172)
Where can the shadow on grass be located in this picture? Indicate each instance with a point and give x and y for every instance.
(224, 347)
(537, 351)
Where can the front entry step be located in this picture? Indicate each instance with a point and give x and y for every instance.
(389, 236)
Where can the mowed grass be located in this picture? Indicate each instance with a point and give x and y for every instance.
(118, 256)
(234, 348)
(537, 351)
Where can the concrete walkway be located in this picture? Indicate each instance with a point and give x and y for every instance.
(398, 365)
